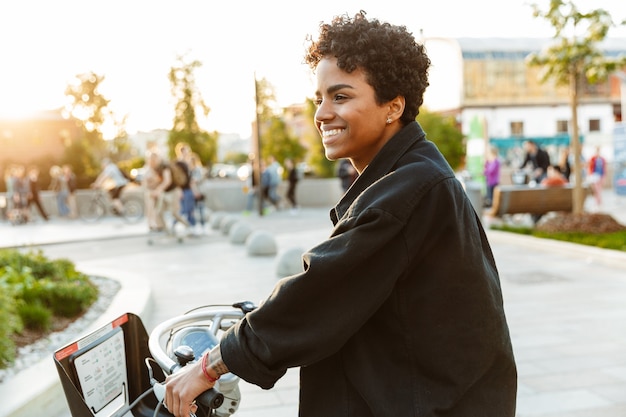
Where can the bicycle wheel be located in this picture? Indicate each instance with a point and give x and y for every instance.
(92, 211)
(133, 210)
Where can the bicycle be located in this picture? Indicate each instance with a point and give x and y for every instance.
(110, 373)
(100, 204)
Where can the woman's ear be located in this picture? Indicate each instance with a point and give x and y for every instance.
(396, 108)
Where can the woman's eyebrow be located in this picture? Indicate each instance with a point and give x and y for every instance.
(336, 87)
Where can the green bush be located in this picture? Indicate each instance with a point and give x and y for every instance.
(35, 291)
(35, 316)
(9, 324)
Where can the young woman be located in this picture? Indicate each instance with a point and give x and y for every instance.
(399, 312)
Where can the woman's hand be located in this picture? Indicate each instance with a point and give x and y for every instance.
(182, 387)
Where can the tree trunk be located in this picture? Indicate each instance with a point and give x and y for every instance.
(577, 196)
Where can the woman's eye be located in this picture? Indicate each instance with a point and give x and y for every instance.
(340, 97)
(317, 102)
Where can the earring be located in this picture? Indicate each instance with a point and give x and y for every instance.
(388, 120)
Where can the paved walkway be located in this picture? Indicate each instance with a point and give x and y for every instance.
(566, 304)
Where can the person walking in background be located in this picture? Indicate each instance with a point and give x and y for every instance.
(492, 173)
(180, 167)
(9, 183)
(596, 171)
(292, 179)
(346, 173)
(272, 179)
(58, 184)
(72, 185)
(399, 312)
(538, 159)
(253, 189)
(155, 181)
(34, 187)
(21, 193)
(198, 185)
(565, 165)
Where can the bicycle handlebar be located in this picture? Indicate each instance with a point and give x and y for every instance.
(215, 319)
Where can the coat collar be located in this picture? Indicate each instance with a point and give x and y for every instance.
(380, 166)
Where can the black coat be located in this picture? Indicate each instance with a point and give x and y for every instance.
(399, 312)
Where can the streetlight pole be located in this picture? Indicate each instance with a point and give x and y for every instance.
(257, 161)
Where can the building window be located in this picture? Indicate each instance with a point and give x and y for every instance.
(517, 129)
(594, 125)
(562, 126)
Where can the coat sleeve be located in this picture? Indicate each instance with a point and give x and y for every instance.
(309, 316)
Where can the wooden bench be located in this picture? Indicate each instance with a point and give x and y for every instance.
(538, 200)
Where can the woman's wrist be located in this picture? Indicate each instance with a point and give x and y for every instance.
(212, 364)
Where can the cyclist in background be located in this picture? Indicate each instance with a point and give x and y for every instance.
(112, 180)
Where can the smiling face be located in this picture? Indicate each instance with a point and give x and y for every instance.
(352, 124)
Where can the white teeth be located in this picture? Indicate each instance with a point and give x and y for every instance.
(331, 132)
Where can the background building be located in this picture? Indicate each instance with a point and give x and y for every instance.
(497, 97)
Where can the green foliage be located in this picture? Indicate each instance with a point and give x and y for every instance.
(444, 132)
(316, 155)
(9, 324)
(90, 109)
(35, 316)
(572, 58)
(571, 53)
(35, 290)
(189, 102)
(615, 240)
(236, 158)
(276, 141)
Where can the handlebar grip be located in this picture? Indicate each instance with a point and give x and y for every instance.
(211, 398)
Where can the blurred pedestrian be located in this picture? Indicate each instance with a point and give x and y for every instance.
(565, 163)
(492, 173)
(554, 177)
(113, 180)
(346, 173)
(596, 172)
(188, 200)
(58, 184)
(33, 196)
(538, 159)
(292, 179)
(198, 186)
(72, 185)
(271, 181)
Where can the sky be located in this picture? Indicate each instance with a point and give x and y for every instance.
(134, 43)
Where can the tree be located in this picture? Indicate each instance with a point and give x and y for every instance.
(90, 108)
(444, 132)
(572, 59)
(276, 139)
(188, 102)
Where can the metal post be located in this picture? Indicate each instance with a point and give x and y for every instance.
(257, 161)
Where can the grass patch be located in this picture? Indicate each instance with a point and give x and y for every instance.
(613, 240)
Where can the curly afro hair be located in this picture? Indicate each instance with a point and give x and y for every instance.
(394, 63)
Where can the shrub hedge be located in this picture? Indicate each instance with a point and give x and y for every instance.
(34, 291)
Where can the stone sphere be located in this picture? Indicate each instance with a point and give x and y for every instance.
(290, 263)
(216, 220)
(226, 223)
(239, 232)
(261, 243)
